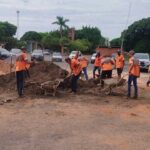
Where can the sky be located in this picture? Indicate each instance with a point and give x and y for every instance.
(110, 16)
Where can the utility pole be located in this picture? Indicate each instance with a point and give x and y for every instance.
(18, 13)
(129, 13)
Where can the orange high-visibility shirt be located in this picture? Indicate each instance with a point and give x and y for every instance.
(107, 66)
(97, 62)
(25, 57)
(135, 69)
(20, 65)
(84, 62)
(119, 61)
(75, 67)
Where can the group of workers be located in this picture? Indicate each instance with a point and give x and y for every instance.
(103, 64)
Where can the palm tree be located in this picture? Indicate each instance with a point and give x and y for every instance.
(62, 23)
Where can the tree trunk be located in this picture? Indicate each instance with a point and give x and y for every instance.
(62, 49)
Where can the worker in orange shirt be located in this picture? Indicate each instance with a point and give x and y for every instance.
(107, 67)
(97, 64)
(134, 73)
(84, 64)
(76, 69)
(20, 70)
(119, 63)
(27, 65)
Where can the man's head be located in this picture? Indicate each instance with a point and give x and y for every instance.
(131, 53)
(98, 54)
(23, 49)
(119, 52)
(68, 60)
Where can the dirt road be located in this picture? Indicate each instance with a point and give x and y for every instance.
(75, 123)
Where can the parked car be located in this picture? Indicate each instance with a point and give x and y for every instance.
(15, 52)
(46, 52)
(93, 57)
(37, 55)
(4, 53)
(73, 54)
(57, 57)
(144, 60)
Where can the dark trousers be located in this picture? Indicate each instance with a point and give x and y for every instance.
(85, 73)
(94, 70)
(106, 74)
(20, 82)
(133, 79)
(74, 81)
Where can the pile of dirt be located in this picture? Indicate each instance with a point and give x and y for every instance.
(39, 74)
(4, 68)
(46, 77)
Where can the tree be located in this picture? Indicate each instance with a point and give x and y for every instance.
(137, 36)
(61, 22)
(82, 45)
(7, 30)
(64, 42)
(92, 34)
(51, 42)
(31, 36)
(115, 42)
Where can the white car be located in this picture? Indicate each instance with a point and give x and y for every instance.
(57, 57)
(15, 52)
(73, 54)
(144, 60)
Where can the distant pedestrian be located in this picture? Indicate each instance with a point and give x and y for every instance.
(119, 63)
(84, 64)
(134, 73)
(97, 65)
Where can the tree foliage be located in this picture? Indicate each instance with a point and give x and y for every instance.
(137, 36)
(31, 36)
(7, 30)
(61, 22)
(92, 34)
(115, 42)
(82, 45)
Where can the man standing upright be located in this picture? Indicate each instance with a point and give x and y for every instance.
(97, 64)
(119, 63)
(134, 73)
(84, 64)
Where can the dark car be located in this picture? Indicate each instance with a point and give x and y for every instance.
(37, 55)
(4, 53)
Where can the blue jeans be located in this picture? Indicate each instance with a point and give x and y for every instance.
(85, 73)
(133, 79)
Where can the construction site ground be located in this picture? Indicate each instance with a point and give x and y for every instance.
(76, 122)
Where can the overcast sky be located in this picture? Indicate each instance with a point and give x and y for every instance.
(110, 16)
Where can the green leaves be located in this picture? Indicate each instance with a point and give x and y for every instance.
(137, 36)
(31, 36)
